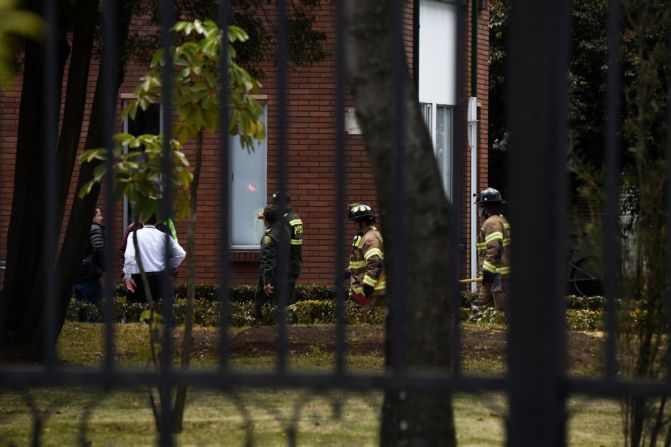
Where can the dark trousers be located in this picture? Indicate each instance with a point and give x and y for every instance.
(260, 298)
(90, 291)
(160, 286)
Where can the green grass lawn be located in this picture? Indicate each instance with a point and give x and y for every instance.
(269, 417)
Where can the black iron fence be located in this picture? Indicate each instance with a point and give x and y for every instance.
(536, 382)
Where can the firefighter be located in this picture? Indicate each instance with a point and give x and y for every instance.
(493, 251)
(366, 262)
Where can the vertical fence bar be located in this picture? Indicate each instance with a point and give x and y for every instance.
(398, 180)
(50, 127)
(455, 217)
(611, 220)
(224, 191)
(341, 181)
(108, 75)
(283, 121)
(166, 425)
(538, 67)
(668, 211)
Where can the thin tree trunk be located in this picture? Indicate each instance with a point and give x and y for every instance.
(180, 397)
(83, 37)
(25, 235)
(409, 418)
(76, 233)
(659, 422)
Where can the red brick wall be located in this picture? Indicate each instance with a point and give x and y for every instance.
(311, 143)
(483, 120)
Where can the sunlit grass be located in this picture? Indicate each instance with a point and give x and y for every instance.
(268, 416)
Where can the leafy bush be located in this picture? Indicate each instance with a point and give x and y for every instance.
(584, 320)
(585, 302)
(244, 293)
(315, 304)
(487, 315)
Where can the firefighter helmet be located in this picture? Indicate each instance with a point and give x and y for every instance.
(275, 198)
(360, 211)
(489, 195)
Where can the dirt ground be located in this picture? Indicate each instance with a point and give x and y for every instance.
(585, 349)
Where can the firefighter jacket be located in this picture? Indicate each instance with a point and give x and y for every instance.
(366, 263)
(269, 245)
(296, 248)
(494, 245)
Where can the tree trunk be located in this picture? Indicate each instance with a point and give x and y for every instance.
(409, 418)
(76, 234)
(21, 307)
(180, 395)
(24, 239)
(83, 36)
(76, 92)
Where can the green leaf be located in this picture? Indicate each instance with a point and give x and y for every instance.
(86, 188)
(157, 59)
(93, 154)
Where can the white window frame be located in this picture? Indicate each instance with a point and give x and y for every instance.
(430, 117)
(447, 170)
(437, 74)
(251, 223)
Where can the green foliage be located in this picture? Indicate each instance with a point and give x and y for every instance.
(197, 84)
(307, 43)
(498, 21)
(585, 302)
(584, 320)
(206, 312)
(314, 292)
(138, 173)
(14, 23)
(488, 315)
(315, 304)
(583, 313)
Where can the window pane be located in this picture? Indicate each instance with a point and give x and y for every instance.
(248, 193)
(444, 146)
(426, 115)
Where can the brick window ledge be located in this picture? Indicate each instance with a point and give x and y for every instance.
(244, 255)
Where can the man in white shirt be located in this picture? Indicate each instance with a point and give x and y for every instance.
(151, 243)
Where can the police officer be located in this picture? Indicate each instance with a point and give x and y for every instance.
(295, 227)
(493, 251)
(366, 262)
(268, 280)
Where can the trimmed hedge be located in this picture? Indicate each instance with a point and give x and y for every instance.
(206, 313)
(210, 292)
(576, 319)
(320, 292)
(315, 304)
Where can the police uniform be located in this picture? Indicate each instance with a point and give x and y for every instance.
(366, 265)
(493, 253)
(295, 225)
(268, 266)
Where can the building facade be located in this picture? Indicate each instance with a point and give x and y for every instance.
(434, 32)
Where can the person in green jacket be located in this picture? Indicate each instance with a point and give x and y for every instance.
(268, 280)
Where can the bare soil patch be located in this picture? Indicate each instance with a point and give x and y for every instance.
(585, 349)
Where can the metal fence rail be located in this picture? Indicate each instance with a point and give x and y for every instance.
(536, 383)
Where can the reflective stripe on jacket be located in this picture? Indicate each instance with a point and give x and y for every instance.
(494, 245)
(366, 262)
(295, 225)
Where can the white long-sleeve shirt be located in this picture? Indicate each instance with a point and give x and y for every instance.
(151, 243)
